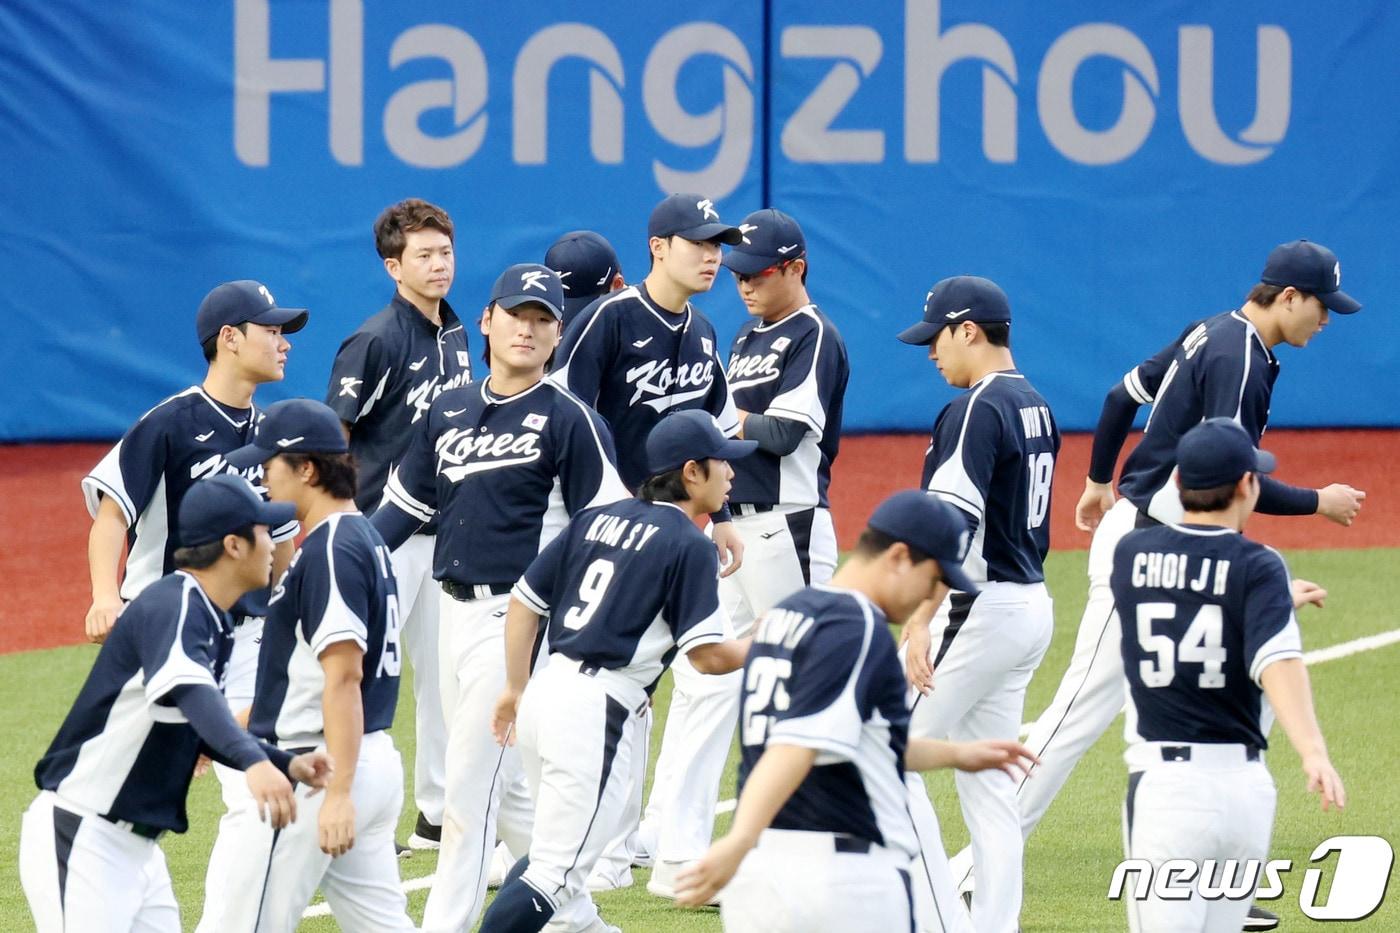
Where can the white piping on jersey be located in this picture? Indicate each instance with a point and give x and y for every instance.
(177, 668)
(396, 493)
(961, 497)
(602, 494)
(806, 309)
(376, 395)
(239, 425)
(1203, 532)
(559, 375)
(490, 399)
(685, 315)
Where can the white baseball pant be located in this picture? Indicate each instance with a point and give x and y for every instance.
(82, 873)
(419, 599)
(1217, 806)
(983, 658)
(276, 874)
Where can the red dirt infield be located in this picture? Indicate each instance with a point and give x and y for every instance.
(45, 566)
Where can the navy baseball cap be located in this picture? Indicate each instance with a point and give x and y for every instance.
(1311, 268)
(690, 435)
(221, 505)
(692, 216)
(234, 303)
(586, 263)
(1217, 452)
(529, 282)
(294, 426)
(928, 524)
(961, 298)
(769, 237)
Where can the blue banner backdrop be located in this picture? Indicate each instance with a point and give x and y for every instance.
(1118, 169)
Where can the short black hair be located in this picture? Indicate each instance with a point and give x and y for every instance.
(211, 346)
(203, 556)
(1264, 295)
(1214, 499)
(873, 543)
(335, 473)
(670, 486)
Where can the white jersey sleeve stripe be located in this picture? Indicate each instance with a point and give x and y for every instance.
(708, 631)
(395, 494)
(339, 622)
(178, 668)
(522, 592)
(106, 479)
(1133, 383)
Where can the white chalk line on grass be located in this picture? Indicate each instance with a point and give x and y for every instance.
(1320, 656)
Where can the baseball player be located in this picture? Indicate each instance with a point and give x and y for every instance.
(328, 677)
(1223, 366)
(588, 268)
(384, 378)
(503, 462)
(787, 372)
(1212, 655)
(993, 456)
(626, 587)
(822, 828)
(114, 779)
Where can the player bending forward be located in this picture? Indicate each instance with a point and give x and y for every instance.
(1210, 635)
(626, 587)
(328, 677)
(822, 828)
(115, 778)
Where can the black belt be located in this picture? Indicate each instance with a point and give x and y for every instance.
(749, 508)
(144, 830)
(1183, 753)
(466, 592)
(851, 844)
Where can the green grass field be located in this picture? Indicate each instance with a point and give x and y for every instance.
(1070, 858)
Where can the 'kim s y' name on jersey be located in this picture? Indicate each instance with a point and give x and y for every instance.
(635, 363)
(1205, 611)
(384, 379)
(823, 674)
(993, 456)
(796, 369)
(173, 446)
(125, 750)
(1217, 368)
(503, 473)
(340, 587)
(625, 587)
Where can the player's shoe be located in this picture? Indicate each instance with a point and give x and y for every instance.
(637, 848)
(402, 851)
(425, 835)
(663, 880)
(609, 876)
(1260, 919)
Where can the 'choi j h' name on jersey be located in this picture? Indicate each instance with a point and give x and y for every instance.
(636, 363)
(503, 474)
(174, 445)
(823, 674)
(1205, 611)
(794, 369)
(993, 456)
(125, 750)
(625, 587)
(1217, 368)
(384, 380)
(339, 587)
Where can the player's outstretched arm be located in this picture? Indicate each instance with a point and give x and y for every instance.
(778, 773)
(1289, 691)
(106, 545)
(1339, 503)
(343, 713)
(931, 754)
(522, 623)
(723, 657)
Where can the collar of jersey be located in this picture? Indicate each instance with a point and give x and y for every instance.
(1253, 332)
(330, 520)
(1007, 373)
(857, 595)
(1212, 531)
(661, 316)
(804, 311)
(406, 307)
(225, 620)
(223, 413)
(490, 398)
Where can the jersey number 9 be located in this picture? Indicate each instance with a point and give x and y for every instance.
(590, 591)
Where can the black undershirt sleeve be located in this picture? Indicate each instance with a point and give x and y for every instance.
(776, 435)
(1279, 498)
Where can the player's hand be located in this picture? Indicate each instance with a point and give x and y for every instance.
(101, 616)
(314, 769)
(336, 824)
(917, 669)
(1093, 505)
(272, 793)
(503, 717)
(1339, 503)
(1324, 780)
(698, 884)
(1305, 591)
(730, 546)
(1012, 757)
(201, 767)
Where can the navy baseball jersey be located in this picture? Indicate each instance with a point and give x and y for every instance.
(993, 456)
(794, 369)
(625, 587)
(823, 674)
(173, 446)
(339, 587)
(125, 750)
(503, 473)
(1219, 367)
(1205, 611)
(384, 379)
(636, 363)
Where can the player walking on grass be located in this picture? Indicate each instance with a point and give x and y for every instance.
(822, 838)
(1223, 366)
(625, 586)
(1213, 654)
(383, 381)
(503, 463)
(993, 457)
(115, 778)
(328, 677)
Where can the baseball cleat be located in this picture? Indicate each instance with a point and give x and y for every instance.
(1260, 919)
(425, 835)
(402, 851)
(610, 877)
